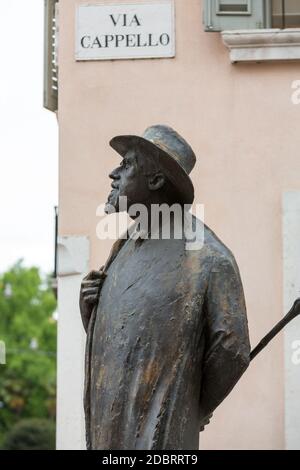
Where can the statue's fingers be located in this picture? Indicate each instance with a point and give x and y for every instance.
(94, 275)
(91, 283)
(90, 291)
(91, 299)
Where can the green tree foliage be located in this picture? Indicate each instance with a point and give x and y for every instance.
(27, 326)
(31, 434)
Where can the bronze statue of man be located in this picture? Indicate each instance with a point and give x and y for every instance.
(167, 334)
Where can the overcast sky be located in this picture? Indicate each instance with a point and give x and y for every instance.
(28, 140)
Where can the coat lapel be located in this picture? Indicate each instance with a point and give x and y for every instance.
(117, 246)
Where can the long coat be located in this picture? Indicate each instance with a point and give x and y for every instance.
(166, 343)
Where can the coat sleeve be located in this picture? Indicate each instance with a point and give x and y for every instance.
(227, 346)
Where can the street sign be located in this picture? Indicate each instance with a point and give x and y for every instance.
(125, 31)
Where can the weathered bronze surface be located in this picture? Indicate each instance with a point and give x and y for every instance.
(167, 335)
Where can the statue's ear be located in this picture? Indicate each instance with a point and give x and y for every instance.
(156, 181)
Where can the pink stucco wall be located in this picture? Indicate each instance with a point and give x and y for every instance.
(242, 125)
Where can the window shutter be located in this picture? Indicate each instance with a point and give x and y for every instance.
(50, 63)
(220, 15)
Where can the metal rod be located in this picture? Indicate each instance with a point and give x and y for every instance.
(293, 313)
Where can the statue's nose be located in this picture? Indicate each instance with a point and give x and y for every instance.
(114, 175)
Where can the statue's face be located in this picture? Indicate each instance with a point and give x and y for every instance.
(129, 181)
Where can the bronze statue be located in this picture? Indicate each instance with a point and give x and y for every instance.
(167, 334)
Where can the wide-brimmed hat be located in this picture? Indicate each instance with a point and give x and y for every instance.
(176, 157)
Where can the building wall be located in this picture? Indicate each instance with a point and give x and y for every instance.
(242, 125)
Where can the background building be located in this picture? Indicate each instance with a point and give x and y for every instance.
(241, 119)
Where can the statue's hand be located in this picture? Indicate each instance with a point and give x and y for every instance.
(89, 294)
(205, 422)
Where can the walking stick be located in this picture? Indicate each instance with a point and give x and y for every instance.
(293, 313)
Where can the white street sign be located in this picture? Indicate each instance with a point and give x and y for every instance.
(125, 31)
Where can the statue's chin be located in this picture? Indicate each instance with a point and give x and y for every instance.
(110, 208)
(111, 205)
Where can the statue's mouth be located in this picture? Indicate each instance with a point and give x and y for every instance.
(113, 194)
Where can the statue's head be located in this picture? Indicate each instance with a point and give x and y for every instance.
(154, 170)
